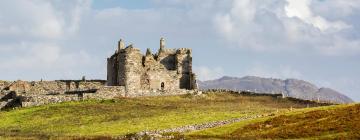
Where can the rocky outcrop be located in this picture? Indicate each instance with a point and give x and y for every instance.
(289, 87)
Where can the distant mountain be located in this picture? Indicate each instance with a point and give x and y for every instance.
(290, 87)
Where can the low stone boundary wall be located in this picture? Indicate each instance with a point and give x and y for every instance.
(247, 93)
(158, 134)
(276, 95)
(36, 100)
(42, 99)
(101, 93)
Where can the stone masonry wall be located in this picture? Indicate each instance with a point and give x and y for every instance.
(47, 92)
(111, 70)
(50, 87)
(168, 69)
(183, 58)
(121, 68)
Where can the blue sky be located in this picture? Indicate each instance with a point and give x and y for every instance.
(314, 40)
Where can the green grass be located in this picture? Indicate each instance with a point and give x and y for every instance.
(330, 122)
(117, 117)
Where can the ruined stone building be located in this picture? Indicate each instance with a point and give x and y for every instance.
(166, 70)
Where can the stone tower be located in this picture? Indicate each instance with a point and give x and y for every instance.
(167, 70)
(121, 45)
(162, 43)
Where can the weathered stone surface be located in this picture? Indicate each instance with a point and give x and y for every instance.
(37, 93)
(168, 69)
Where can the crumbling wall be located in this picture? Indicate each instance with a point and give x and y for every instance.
(91, 85)
(112, 70)
(51, 87)
(167, 58)
(107, 92)
(183, 59)
(36, 100)
(42, 99)
(20, 86)
(45, 87)
(4, 84)
(168, 69)
(37, 93)
(156, 76)
(121, 68)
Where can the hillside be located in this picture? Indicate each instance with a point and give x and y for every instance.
(333, 122)
(118, 117)
(291, 87)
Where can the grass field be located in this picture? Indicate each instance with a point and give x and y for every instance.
(331, 122)
(118, 117)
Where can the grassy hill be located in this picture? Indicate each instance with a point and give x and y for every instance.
(112, 118)
(331, 122)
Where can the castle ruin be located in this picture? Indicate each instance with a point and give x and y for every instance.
(129, 74)
(166, 70)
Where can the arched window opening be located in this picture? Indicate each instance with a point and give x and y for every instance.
(162, 85)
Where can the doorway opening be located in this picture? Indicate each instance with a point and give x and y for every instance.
(162, 85)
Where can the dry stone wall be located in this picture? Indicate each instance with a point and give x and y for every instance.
(35, 93)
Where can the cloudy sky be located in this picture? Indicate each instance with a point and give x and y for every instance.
(314, 40)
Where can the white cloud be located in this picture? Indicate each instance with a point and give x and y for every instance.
(33, 37)
(43, 60)
(285, 26)
(32, 19)
(206, 73)
(81, 8)
(40, 19)
(283, 72)
(343, 8)
(301, 9)
(40, 56)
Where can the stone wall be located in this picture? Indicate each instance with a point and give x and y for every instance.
(183, 58)
(4, 84)
(107, 92)
(112, 69)
(167, 58)
(45, 92)
(121, 68)
(51, 87)
(36, 100)
(37, 93)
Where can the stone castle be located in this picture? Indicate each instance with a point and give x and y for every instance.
(166, 70)
(129, 74)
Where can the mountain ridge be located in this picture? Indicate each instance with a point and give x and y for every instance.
(290, 87)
